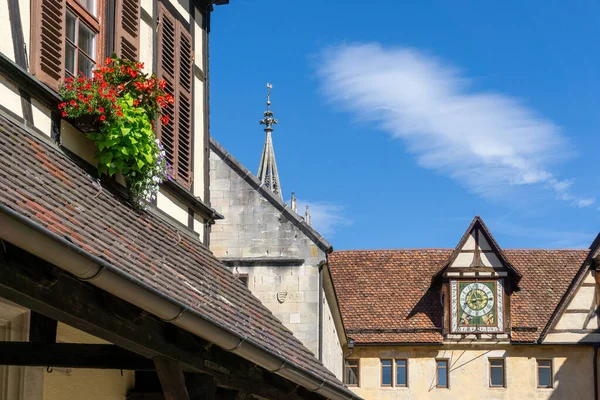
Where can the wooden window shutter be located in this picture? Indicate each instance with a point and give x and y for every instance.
(184, 107)
(48, 22)
(127, 29)
(175, 67)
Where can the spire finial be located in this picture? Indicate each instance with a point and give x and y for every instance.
(267, 170)
(294, 205)
(307, 216)
(268, 121)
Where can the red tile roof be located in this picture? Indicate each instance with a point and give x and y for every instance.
(384, 295)
(42, 184)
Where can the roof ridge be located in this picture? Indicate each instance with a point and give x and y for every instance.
(274, 199)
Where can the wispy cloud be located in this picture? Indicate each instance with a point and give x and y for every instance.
(489, 142)
(326, 218)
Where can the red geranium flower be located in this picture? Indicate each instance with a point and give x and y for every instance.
(102, 117)
(101, 110)
(64, 114)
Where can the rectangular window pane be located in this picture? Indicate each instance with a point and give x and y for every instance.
(87, 40)
(85, 65)
(497, 373)
(70, 58)
(401, 372)
(71, 23)
(545, 374)
(386, 372)
(442, 373)
(351, 372)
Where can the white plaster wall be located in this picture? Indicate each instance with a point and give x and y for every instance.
(333, 357)
(6, 42)
(182, 6)
(199, 142)
(146, 53)
(41, 117)
(10, 96)
(584, 298)
(172, 206)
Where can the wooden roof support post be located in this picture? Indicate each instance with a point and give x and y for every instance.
(171, 378)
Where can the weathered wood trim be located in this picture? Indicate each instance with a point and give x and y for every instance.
(171, 378)
(71, 355)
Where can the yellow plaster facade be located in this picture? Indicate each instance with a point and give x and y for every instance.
(80, 383)
(469, 372)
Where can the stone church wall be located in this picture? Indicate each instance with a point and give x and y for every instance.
(254, 228)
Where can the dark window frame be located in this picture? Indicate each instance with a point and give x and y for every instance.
(437, 371)
(357, 374)
(503, 366)
(537, 370)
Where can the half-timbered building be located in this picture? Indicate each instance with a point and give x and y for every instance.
(99, 300)
(473, 322)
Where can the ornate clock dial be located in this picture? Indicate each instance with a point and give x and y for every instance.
(476, 299)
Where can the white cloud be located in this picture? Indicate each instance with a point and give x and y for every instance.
(487, 141)
(326, 218)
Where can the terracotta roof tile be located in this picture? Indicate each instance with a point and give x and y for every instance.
(43, 184)
(384, 296)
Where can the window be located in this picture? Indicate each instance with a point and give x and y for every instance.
(351, 369)
(497, 372)
(544, 373)
(82, 29)
(441, 375)
(386, 372)
(244, 279)
(394, 372)
(401, 373)
(67, 38)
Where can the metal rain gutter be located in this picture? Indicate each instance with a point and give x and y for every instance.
(45, 244)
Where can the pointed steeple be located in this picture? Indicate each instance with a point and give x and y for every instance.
(267, 170)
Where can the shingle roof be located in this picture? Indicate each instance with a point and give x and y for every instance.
(41, 183)
(385, 295)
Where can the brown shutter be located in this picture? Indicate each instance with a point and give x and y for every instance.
(175, 67)
(184, 107)
(48, 20)
(127, 29)
(166, 71)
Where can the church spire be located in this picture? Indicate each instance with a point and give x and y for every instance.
(267, 170)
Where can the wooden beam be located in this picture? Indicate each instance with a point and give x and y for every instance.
(171, 378)
(43, 288)
(71, 355)
(242, 396)
(41, 328)
(201, 387)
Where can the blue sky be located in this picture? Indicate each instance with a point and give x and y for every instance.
(401, 121)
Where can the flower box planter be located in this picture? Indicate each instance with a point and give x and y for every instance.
(85, 123)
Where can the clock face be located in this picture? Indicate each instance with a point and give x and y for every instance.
(476, 299)
(476, 306)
